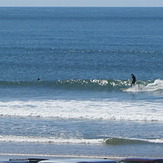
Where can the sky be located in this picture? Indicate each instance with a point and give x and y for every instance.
(81, 3)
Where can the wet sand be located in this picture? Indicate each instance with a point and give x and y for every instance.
(50, 151)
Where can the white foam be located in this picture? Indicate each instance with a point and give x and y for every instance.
(74, 109)
(100, 82)
(155, 140)
(158, 141)
(51, 140)
(152, 87)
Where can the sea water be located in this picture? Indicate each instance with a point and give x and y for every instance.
(65, 85)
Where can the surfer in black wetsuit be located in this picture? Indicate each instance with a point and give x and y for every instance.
(133, 79)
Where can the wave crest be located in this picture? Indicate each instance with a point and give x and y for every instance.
(92, 84)
(53, 140)
(123, 141)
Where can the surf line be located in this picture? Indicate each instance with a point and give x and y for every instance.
(63, 156)
(70, 156)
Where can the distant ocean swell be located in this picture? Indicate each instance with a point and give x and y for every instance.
(94, 84)
(53, 140)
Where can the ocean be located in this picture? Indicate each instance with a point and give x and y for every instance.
(65, 85)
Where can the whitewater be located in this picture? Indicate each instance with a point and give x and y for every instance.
(75, 109)
(91, 108)
(135, 107)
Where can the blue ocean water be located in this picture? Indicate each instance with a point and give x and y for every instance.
(83, 102)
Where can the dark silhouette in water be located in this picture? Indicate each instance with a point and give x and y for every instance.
(133, 79)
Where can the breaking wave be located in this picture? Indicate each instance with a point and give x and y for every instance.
(94, 84)
(105, 109)
(79, 109)
(154, 86)
(123, 141)
(53, 140)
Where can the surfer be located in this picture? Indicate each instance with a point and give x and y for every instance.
(133, 79)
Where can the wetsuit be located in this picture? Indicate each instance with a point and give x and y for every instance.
(133, 79)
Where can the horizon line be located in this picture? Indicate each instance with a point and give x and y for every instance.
(90, 6)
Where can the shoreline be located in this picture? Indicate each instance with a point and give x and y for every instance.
(20, 155)
(7, 156)
(52, 151)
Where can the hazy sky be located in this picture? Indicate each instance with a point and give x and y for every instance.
(84, 3)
